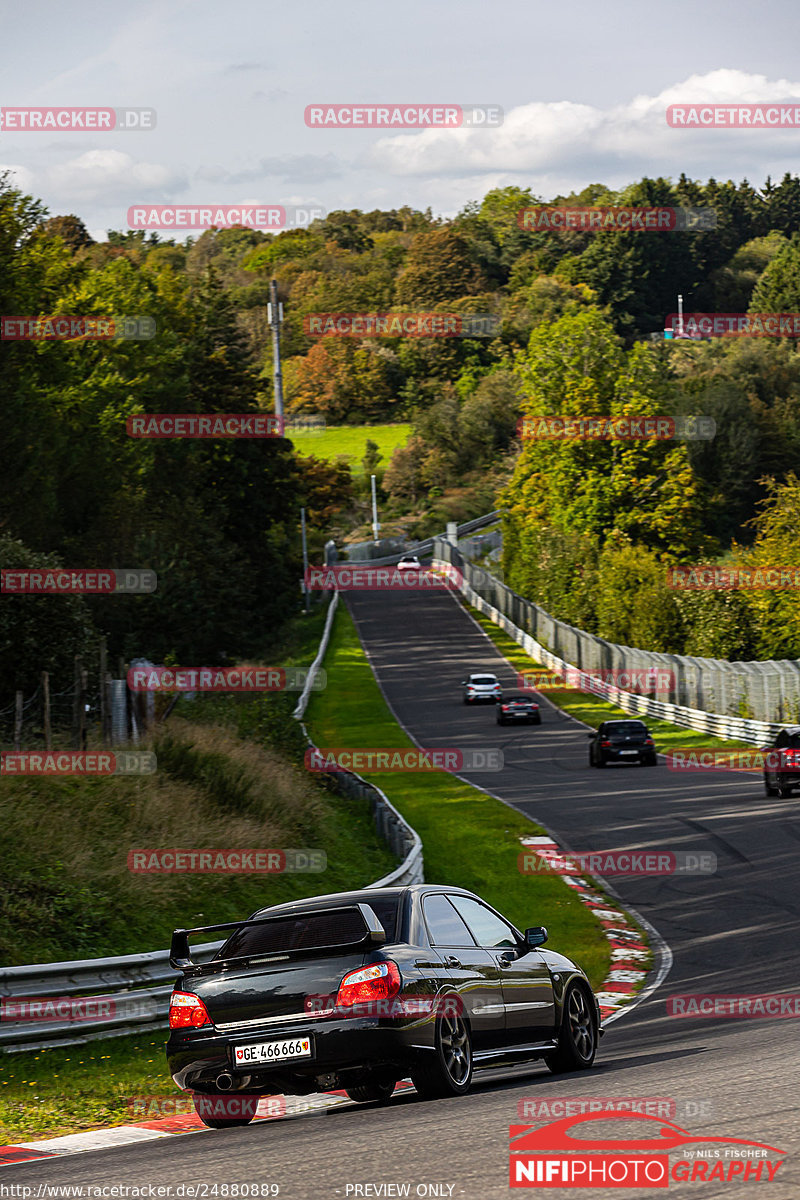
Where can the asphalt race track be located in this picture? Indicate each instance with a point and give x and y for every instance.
(735, 932)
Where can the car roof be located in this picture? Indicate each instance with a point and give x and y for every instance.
(489, 674)
(362, 896)
(625, 721)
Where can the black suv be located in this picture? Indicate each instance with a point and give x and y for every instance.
(622, 741)
(782, 763)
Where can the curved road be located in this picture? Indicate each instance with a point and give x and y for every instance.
(732, 932)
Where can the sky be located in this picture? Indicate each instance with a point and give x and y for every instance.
(584, 87)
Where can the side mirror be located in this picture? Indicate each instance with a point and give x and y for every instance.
(535, 936)
(463, 683)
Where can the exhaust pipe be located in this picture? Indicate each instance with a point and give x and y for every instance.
(227, 1083)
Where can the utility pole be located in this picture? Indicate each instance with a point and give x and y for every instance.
(375, 525)
(305, 555)
(275, 317)
(680, 316)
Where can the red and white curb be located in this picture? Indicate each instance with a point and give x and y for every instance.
(630, 955)
(270, 1108)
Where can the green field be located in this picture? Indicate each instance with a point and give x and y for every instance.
(350, 442)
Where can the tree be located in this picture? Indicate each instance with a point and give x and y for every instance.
(438, 269)
(778, 289)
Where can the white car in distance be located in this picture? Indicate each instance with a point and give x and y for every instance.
(479, 687)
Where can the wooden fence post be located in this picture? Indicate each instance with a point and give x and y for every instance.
(103, 693)
(77, 705)
(48, 737)
(18, 721)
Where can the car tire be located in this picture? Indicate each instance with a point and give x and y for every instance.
(600, 762)
(769, 790)
(501, 720)
(537, 720)
(220, 1122)
(374, 1091)
(577, 1038)
(784, 791)
(448, 1070)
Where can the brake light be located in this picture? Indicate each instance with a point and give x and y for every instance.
(605, 743)
(378, 982)
(187, 1011)
(505, 708)
(648, 741)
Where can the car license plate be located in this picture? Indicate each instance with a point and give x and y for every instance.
(629, 751)
(267, 1052)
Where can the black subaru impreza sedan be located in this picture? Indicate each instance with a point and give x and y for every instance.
(358, 990)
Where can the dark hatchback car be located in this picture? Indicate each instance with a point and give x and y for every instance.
(622, 741)
(518, 706)
(782, 763)
(358, 990)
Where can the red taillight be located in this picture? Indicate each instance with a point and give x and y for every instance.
(505, 708)
(605, 743)
(648, 741)
(187, 1011)
(378, 982)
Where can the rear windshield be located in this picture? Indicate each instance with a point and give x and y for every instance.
(483, 679)
(625, 728)
(310, 931)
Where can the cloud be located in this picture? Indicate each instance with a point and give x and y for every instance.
(298, 168)
(103, 177)
(562, 139)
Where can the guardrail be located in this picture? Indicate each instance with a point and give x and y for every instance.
(759, 733)
(426, 546)
(87, 999)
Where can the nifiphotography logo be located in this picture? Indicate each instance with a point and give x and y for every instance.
(552, 1156)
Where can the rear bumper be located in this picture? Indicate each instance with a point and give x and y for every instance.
(630, 754)
(345, 1048)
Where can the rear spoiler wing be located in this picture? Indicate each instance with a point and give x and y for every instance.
(180, 956)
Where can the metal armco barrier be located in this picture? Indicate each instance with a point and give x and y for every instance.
(135, 988)
(707, 680)
(130, 993)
